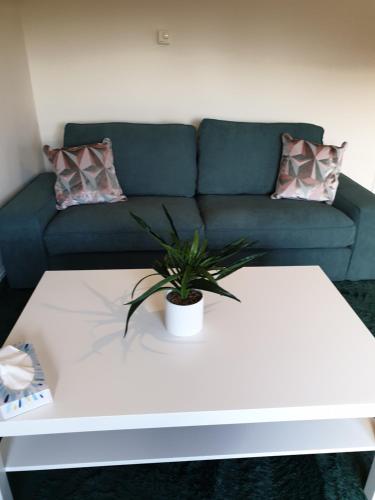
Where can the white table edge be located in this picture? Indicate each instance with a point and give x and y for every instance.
(21, 426)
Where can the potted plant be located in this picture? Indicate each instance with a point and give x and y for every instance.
(187, 269)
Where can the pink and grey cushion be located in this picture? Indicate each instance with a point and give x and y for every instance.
(308, 171)
(85, 174)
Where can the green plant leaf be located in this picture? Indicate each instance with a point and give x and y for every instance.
(146, 227)
(202, 284)
(153, 288)
(171, 223)
(226, 271)
(185, 280)
(234, 248)
(136, 303)
(205, 274)
(163, 269)
(203, 247)
(195, 244)
(140, 281)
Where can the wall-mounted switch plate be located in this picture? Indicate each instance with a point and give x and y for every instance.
(163, 37)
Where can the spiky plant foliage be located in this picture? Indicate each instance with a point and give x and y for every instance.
(189, 265)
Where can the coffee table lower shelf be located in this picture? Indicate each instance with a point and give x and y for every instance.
(89, 449)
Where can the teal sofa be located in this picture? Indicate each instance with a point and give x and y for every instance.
(218, 180)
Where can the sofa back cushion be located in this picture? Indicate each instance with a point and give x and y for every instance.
(149, 159)
(244, 158)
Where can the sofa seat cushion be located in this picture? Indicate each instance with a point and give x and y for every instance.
(274, 223)
(110, 228)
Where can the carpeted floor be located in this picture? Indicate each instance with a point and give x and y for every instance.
(311, 477)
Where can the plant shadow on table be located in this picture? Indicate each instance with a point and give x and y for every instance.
(108, 324)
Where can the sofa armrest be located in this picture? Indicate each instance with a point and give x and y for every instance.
(359, 204)
(22, 223)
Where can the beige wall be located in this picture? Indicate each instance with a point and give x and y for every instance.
(268, 60)
(20, 157)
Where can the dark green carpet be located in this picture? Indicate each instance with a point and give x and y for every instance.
(311, 477)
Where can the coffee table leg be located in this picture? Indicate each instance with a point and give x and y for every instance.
(5, 491)
(370, 484)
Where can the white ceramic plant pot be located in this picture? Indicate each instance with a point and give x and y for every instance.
(184, 321)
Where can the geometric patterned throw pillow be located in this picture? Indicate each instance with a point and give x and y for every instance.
(85, 174)
(308, 171)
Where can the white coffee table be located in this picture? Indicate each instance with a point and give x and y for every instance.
(290, 370)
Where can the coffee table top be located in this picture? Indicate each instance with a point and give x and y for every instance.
(292, 350)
